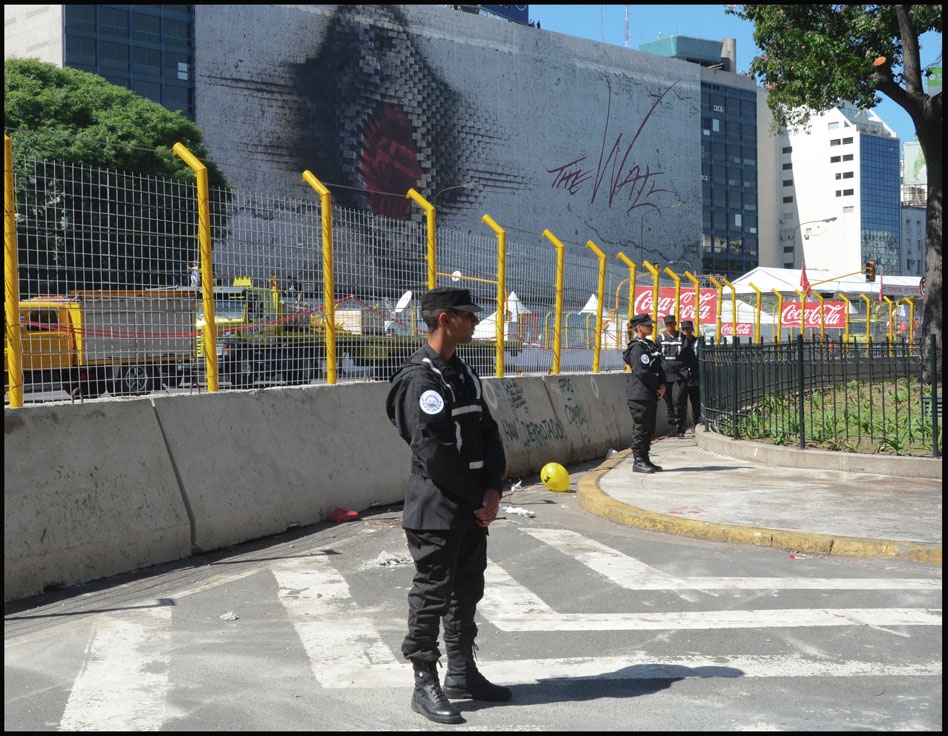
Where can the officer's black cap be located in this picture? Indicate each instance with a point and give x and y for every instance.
(643, 318)
(670, 319)
(445, 297)
(687, 324)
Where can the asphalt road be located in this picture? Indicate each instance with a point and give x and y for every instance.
(595, 626)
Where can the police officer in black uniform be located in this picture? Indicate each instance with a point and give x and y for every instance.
(453, 494)
(672, 343)
(689, 354)
(646, 385)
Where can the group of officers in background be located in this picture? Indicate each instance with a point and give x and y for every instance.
(667, 369)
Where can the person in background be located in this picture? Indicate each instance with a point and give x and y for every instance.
(453, 495)
(195, 275)
(690, 355)
(672, 342)
(645, 386)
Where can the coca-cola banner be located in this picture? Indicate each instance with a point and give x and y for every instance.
(707, 312)
(834, 314)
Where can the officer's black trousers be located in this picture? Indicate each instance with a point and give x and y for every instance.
(676, 401)
(448, 583)
(643, 426)
(694, 395)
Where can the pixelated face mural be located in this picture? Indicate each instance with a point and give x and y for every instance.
(375, 116)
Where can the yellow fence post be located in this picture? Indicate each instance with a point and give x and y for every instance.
(430, 218)
(329, 284)
(558, 301)
(697, 285)
(622, 257)
(891, 330)
(802, 313)
(911, 323)
(822, 319)
(677, 281)
(779, 316)
(733, 307)
(655, 276)
(756, 313)
(11, 281)
(868, 323)
(717, 322)
(207, 263)
(501, 321)
(600, 288)
(845, 325)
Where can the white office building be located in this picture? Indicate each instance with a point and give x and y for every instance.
(834, 187)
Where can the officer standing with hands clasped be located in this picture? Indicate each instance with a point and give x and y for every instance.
(646, 385)
(690, 355)
(672, 343)
(453, 495)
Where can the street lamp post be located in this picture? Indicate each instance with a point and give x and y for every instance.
(793, 238)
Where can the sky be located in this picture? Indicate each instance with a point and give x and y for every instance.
(606, 23)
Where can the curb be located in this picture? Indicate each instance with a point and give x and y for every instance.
(592, 499)
(794, 457)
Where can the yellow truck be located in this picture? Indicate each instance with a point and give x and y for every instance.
(263, 337)
(117, 341)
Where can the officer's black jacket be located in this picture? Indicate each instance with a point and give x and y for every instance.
(676, 367)
(645, 361)
(456, 452)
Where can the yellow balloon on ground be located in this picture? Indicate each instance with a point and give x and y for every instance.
(555, 477)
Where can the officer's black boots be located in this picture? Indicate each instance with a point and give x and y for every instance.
(648, 461)
(642, 466)
(429, 699)
(463, 680)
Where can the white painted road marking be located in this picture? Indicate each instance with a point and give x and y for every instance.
(123, 685)
(632, 574)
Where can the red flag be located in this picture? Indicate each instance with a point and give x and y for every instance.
(804, 281)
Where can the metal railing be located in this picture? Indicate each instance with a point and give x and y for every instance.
(827, 394)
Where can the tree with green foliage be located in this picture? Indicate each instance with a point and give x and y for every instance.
(817, 56)
(102, 200)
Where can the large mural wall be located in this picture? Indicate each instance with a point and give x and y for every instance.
(537, 129)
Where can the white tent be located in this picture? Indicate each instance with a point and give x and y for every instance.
(787, 281)
(487, 327)
(592, 304)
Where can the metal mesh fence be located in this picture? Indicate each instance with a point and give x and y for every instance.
(111, 300)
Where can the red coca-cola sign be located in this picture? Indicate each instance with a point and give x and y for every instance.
(707, 310)
(834, 314)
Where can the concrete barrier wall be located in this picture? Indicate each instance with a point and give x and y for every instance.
(92, 490)
(89, 491)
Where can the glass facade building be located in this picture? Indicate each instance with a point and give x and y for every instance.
(880, 202)
(148, 49)
(729, 180)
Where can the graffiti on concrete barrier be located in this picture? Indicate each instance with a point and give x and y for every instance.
(575, 414)
(533, 433)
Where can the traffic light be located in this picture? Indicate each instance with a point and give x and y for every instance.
(870, 270)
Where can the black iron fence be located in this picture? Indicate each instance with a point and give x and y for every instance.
(831, 395)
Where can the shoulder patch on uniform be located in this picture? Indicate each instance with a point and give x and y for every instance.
(645, 359)
(431, 402)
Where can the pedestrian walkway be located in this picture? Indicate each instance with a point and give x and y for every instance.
(801, 500)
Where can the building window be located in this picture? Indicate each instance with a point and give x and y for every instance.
(787, 166)
(834, 159)
(847, 174)
(787, 149)
(787, 200)
(848, 157)
(847, 140)
(849, 209)
(833, 124)
(834, 142)
(848, 192)
(788, 182)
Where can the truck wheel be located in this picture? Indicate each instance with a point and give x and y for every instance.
(130, 380)
(240, 372)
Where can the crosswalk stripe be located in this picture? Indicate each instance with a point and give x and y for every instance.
(343, 646)
(511, 607)
(123, 685)
(632, 574)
